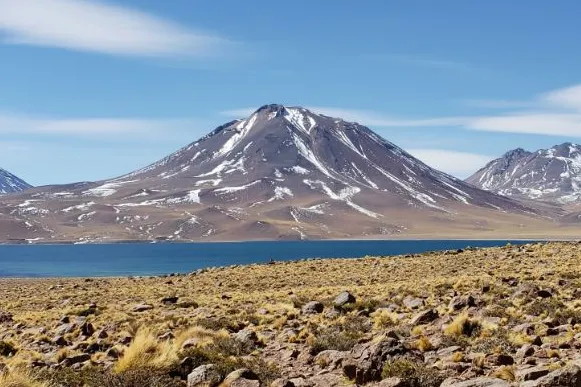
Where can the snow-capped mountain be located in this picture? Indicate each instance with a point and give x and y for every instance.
(10, 183)
(283, 172)
(548, 174)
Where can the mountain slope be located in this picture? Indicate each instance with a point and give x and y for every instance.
(283, 172)
(10, 183)
(552, 174)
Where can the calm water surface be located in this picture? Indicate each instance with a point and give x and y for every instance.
(154, 259)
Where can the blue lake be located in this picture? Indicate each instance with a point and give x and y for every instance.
(154, 259)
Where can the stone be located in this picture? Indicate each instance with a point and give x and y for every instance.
(142, 307)
(531, 373)
(280, 382)
(413, 302)
(478, 382)
(60, 341)
(461, 302)
(189, 343)
(241, 378)
(313, 307)
(568, 376)
(424, 317)
(65, 328)
(525, 351)
(76, 359)
(169, 300)
(87, 329)
(247, 337)
(113, 353)
(330, 359)
(365, 361)
(343, 299)
(544, 293)
(244, 383)
(500, 359)
(204, 376)
(392, 382)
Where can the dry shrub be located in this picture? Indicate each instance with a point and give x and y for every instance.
(18, 378)
(414, 373)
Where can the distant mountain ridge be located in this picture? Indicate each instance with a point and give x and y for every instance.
(283, 172)
(552, 174)
(10, 183)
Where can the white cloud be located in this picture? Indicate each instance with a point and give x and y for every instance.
(553, 124)
(566, 98)
(499, 103)
(101, 128)
(459, 164)
(555, 113)
(364, 117)
(88, 25)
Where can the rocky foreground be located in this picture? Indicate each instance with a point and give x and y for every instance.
(495, 317)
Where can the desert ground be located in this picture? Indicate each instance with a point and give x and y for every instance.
(504, 316)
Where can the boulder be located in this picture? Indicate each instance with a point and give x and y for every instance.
(242, 377)
(365, 361)
(204, 376)
(247, 337)
(424, 317)
(343, 299)
(531, 373)
(568, 376)
(413, 302)
(478, 382)
(169, 300)
(313, 307)
(461, 302)
(392, 382)
(282, 383)
(330, 359)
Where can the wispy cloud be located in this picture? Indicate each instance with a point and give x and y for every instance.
(88, 25)
(554, 113)
(459, 164)
(102, 128)
(499, 103)
(364, 117)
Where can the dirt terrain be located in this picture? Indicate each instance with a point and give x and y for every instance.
(510, 315)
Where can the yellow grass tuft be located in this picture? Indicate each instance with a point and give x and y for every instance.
(16, 378)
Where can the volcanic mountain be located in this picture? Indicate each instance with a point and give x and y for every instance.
(552, 175)
(283, 172)
(10, 183)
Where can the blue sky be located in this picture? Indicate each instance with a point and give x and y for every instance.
(93, 89)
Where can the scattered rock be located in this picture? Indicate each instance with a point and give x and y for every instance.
(204, 376)
(169, 300)
(142, 307)
(544, 293)
(241, 378)
(531, 373)
(247, 337)
(343, 299)
(568, 376)
(313, 307)
(461, 302)
(478, 382)
(282, 383)
(413, 302)
(365, 362)
(424, 317)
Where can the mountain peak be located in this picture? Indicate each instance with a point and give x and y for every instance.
(552, 174)
(10, 183)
